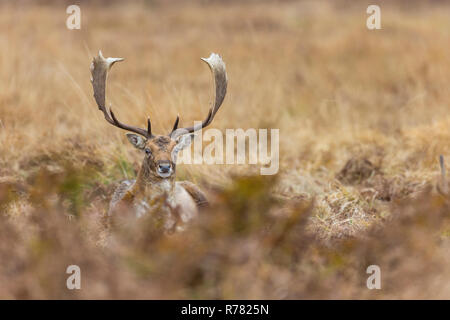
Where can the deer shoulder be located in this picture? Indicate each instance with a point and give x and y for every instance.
(195, 192)
(123, 193)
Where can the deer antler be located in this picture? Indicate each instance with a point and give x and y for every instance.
(219, 73)
(99, 70)
(444, 185)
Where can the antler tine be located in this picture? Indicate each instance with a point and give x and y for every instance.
(217, 67)
(99, 71)
(444, 184)
(149, 127)
(175, 125)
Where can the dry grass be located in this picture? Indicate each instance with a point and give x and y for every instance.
(363, 116)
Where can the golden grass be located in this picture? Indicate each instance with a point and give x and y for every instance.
(337, 91)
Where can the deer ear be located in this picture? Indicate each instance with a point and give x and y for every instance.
(136, 140)
(184, 141)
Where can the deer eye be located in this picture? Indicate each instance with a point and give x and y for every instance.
(148, 151)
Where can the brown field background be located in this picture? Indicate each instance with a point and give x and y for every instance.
(363, 117)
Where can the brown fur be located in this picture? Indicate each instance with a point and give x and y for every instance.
(183, 199)
(195, 192)
(156, 178)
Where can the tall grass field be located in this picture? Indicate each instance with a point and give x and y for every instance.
(363, 116)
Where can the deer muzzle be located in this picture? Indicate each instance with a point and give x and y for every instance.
(164, 168)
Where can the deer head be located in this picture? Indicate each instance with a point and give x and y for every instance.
(160, 150)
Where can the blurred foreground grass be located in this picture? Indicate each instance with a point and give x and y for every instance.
(249, 244)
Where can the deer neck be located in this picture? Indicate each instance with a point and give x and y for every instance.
(149, 185)
(151, 192)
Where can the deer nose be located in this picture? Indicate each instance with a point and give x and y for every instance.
(164, 167)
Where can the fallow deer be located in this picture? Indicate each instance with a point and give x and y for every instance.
(156, 177)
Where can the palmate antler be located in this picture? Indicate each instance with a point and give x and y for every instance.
(217, 67)
(99, 70)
